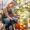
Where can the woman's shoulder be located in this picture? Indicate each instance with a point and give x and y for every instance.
(1, 11)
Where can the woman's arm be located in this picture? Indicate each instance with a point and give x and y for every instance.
(8, 16)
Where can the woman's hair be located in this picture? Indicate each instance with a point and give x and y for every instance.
(7, 8)
(5, 11)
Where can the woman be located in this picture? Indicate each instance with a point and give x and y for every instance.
(9, 16)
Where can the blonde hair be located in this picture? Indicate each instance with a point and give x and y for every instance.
(7, 7)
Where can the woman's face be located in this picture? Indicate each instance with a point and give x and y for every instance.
(11, 5)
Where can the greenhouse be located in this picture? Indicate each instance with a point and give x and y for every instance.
(20, 16)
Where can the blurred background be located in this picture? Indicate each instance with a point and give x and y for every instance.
(22, 9)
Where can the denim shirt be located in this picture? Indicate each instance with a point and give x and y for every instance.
(7, 20)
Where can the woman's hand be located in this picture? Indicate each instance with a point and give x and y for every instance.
(10, 18)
